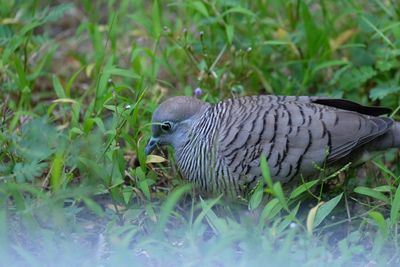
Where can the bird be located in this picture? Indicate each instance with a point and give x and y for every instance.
(218, 146)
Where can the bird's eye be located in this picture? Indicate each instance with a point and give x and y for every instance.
(166, 126)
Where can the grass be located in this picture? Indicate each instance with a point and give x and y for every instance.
(80, 80)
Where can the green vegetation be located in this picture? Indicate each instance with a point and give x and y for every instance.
(78, 83)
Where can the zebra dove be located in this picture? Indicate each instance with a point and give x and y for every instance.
(218, 147)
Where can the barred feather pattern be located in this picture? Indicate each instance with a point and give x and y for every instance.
(196, 158)
(223, 147)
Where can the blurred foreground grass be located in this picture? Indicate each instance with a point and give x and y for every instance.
(78, 83)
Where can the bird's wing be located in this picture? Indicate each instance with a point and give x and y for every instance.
(292, 133)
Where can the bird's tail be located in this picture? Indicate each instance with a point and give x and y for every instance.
(391, 139)
(396, 134)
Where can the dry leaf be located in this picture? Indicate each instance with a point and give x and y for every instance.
(155, 159)
(311, 217)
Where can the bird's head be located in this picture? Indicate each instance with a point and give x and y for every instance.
(172, 120)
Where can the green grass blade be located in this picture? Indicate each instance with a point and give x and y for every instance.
(325, 209)
(168, 206)
(395, 209)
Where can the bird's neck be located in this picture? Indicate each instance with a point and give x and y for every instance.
(197, 151)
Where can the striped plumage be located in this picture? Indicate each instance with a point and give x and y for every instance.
(219, 146)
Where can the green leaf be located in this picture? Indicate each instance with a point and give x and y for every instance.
(379, 32)
(329, 64)
(102, 86)
(169, 204)
(127, 194)
(277, 42)
(302, 188)
(56, 172)
(273, 207)
(230, 30)
(6, 34)
(239, 10)
(395, 209)
(288, 219)
(265, 171)
(58, 88)
(28, 171)
(371, 193)
(380, 221)
(199, 7)
(383, 90)
(38, 69)
(100, 124)
(385, 188)
(23, 80)
(219, 225)
(355, 77)
(121, 72)
(325, 209)
(206, 207)
(316, 38)
(385, 170)
(93, 206)
(256, 197)
(386, 65)
(278, 191)
(54, 13)
(72, 79)
(156, 19)
(143, 182)
(76, 130)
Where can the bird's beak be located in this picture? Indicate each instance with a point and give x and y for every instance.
(151, 145)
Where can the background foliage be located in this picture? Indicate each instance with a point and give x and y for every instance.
(78, 83)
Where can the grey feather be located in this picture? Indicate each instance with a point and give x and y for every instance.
(219, 146)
